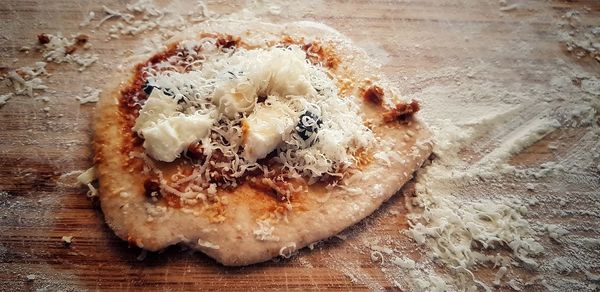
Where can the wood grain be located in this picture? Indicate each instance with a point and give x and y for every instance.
(39, 204)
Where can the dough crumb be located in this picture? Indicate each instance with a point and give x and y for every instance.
(67, 240)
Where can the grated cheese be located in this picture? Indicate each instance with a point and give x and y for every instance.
(404, 263)
(144, 16)
(86, 178)
(288, 250)
(499, 275)
(56, 50)
(87, 19)
(224, 86)
(113, 14)
(207, 244)
(5, 97)
(90, 95)
(452, 232)
(25, 80)
(264, 231)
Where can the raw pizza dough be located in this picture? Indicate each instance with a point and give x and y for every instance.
(246, 225)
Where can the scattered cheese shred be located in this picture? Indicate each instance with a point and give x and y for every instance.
(86, 178)
(264, 231)
(288, 250)
(90, 95)
(5, 97)
(57, 50)
(87, 19)
(24, 81)
(454, 229)
(208, 244)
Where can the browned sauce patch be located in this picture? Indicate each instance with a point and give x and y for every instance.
(316, 51)
(401, 112)
(374, 95)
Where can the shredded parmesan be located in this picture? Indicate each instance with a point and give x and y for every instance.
(288, 250)
(57, 51)
(86, 178)
(453, 232)
(90, 95)
(87, 19)
(264, 231)
(207, 244)
(302, 119)
(5, 97)
(25, 80)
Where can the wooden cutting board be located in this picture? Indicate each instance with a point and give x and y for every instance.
(42, 142)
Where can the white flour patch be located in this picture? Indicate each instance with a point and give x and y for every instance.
(376, 52)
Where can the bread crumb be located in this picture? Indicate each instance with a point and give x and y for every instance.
(509, 7)
(67, 240)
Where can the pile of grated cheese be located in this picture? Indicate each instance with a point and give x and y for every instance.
(245, 105)
(24, 81)
(27, 80)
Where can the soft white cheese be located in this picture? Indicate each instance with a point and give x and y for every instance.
(280, 73)
(158, 106)
(265, 128)
(234, 97)
(166, 139)
(167, 131)
(289, 74)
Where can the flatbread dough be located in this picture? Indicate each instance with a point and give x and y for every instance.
(247, 226)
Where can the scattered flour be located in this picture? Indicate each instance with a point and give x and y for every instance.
(580, 39)
(145, 16)
(5, 97)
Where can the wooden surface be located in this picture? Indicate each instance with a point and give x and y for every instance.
(39, 204)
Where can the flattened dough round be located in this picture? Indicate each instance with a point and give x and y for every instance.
(239, 239)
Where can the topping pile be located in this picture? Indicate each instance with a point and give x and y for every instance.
(234, 111)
